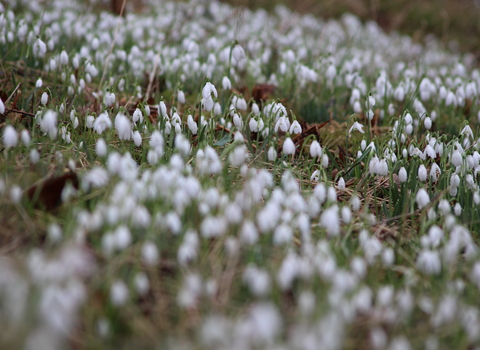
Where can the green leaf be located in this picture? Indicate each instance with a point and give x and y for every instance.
(223, 141)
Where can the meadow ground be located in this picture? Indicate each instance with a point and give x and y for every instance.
(196, 175)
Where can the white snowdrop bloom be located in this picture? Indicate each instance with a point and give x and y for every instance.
(357, 107)
(428, 261)
(272, 154)
(451, 99)
(372, 248)
(10, 137)
(358, 266)
(89, 120)
(137, 138)
(192, 125)
(241, 104)
(399, 343)
(101, 148)
(435, 236)
(248, 232)
(123, 126)
(102, 123)
(226, 84)
(54, 232)
(283, 234)
(141, 283)
(253, 125)
(238, 156)
(182, 145)
(370, 114)
(119, 293)
(330, 221)
(315, 175)
(430, 152)
(355, 202)
(341, 184)
(34, 156)
(16, 194)
(370, 102)
(385, 295)
(122, 237)
(238, 121)
(427, 123)
(402, 174)
(238, 54)
(48, 124)
(96, 177)
(475, 274)
(444, 207)
(295, 128)
(457, 209)
(162, 109)
(39, 48)
(422, 198)
(288, 147)
(325, 161)
(378, 338)
(75, 123)
(388, 257)
(457, 159)
(315, 149)
(137, 115)
(181, 96)
(356, 126)
(476, 197)
(109, 99)
(212, 226)
(91, 70)
(150, 254)
(258, 280)
(282, 124)
(38, 85)
(44, 98)
(422, 173)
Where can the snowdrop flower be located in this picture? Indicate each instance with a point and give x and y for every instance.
(16, 194)
(315, 149)
(238, 156)
(207, 92)
(150, 254)
(272, 154)
(288, 147)
(2, 107)
(402, 174)
(119, 293)
(325, 161)
(295, 128)
(10, 137)
(39, 48)
(44, 98)
(331, 221)
(422, 198)
(341, 184)
(238, 54)
(101, 148)
(25, 137)
(226, 84)
(109, 99)
(181, 96)
(283, 124)
(102, 123)
(137, 115)
(422, 173)
(142, 284)
(137, 138)
(39, 83)
(356, 126)
(457, 209)
(123, 126)
(192, 125)
(428, 123)
(428, 261)
(48, 124)
(370, 102)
